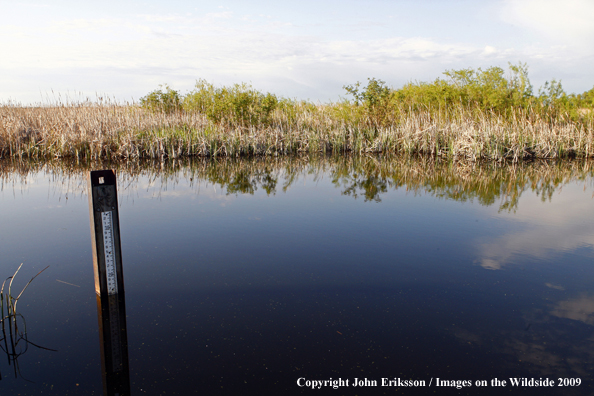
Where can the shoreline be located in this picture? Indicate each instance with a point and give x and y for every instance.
(131, 132)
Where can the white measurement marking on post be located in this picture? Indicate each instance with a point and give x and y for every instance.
(108, 247)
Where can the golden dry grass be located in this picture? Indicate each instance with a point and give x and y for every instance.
(94, 131)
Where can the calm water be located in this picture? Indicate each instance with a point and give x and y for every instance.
(249, 277)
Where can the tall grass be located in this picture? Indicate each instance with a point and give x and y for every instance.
(473, 115)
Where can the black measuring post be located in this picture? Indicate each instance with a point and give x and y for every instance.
(105, 232)
(109, 281)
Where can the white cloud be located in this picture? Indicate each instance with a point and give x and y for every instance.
(285, 50)
(214, 46)
(489, 51)
(569, 20)
(112, 43)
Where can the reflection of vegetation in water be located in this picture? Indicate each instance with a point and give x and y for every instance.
(460, 181)
(14, 341)
(243, 180)
(367, 177)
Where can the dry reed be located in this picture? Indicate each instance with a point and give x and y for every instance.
(94, 131)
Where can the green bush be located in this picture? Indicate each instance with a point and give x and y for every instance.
(493, 91)
(239, 105)
(167, 101)
(490, 91)
(375, 99)
(486, 90)
(586, 99)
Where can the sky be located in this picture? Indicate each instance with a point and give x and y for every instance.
(307, 49)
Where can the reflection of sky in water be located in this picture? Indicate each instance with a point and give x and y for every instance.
(252, 291)
(547, 228)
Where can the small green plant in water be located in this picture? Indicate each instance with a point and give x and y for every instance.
(14, 340)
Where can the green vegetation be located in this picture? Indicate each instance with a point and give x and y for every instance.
(167, 101)
(237, 105)
(13, 338)
(478, 91)
(469, 114)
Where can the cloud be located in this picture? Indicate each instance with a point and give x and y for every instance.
(127, 53)
(569, 21)
(92, 54)
(82, 25)
(115, 43)
(489, 51)
(187, 20)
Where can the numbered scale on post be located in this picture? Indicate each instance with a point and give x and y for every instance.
(108, 247)
(112, 290)
(105, 230)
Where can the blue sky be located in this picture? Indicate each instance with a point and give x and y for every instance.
(300, 49)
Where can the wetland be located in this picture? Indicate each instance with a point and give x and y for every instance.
(256, 275)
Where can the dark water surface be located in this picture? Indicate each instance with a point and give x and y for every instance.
(247, 277)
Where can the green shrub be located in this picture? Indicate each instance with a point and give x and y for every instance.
(375, 99)
(239, 105)
(586, 99)
(493, 91)
(167, 101)
(486, 90)
(481, 92)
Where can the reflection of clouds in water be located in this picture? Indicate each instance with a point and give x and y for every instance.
(466, 336)
(547, 346)
(550, 344)
(560, 225)
(554, 346)
(523, 348)
(580, 308)
(556, 287)
(539, 355)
